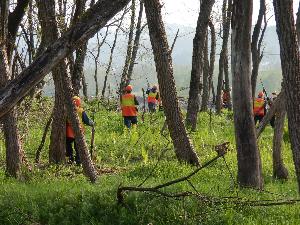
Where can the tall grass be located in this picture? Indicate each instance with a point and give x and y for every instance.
(60, 194)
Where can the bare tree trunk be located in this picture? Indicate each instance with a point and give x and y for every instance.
(136, 43)
(212, 58)
(256, 44)
(94, 19)
(124, 76)
(183, 147)
(279, 170)
(84, 155)
(205, 94)
(50, 33)
(8, 26)
(96, 59)
(197, 63)
(223, 60)
(290, 64)
(12, 140)
(298, 25)
(248, 156)
(112, 49)
(77, 70)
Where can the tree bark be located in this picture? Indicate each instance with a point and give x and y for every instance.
(112, 49)
(77, 71)
(223, 60)
(279, 170)
(290, 64)
(197, 64)
(50, 33)
(212, 59)
(12, 140)
(124, 76)
(256, 45)
(298, 25)
(94, 19)
(183, 147)
(136, 43)
(205, 95)
(248, 156)
(84, 155)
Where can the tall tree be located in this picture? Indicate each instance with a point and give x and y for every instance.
(279, 169)
(298, 24)
(136, 43)
(94, 19)
(112, 49)
(205, 94)
(223, 60)
(183, 147)
(8, 31)
(124, 76)
(49, 29)
(248, 156)
(78, 77)
(290, 65)
(197, 63)
(257, 38)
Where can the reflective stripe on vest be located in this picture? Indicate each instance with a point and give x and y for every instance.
(258, 107)
(128, 105)
(152, 97)
(69, 130)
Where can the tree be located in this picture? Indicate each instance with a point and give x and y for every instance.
(124, 76)
(249, 163)
(112, 49)
(290, 65)
(9, 24)
(49, 30)
(163, 61)
(197, 63)
(77, 75)
(92, 20)
(279, 170)
(136, 43)
(223, 60)
(206, 66)
(256, 43)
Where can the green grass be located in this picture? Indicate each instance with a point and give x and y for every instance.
(60, 194)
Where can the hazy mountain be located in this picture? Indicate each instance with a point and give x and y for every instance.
(144, 71)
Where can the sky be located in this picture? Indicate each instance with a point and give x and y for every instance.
(185, 12)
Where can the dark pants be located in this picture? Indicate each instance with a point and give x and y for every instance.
(151, 106)
(69, 151)
(129, 120)
(258, 118)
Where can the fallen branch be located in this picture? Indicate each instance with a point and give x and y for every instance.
(221, 149)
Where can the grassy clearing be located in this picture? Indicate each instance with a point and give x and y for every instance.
(51, 194)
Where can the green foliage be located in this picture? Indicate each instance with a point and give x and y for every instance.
(61, 194)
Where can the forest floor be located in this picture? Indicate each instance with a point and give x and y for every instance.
(61, 194)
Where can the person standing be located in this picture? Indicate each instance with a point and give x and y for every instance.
(259, 107)
(129, 109)
(153, 98)
(70, 135)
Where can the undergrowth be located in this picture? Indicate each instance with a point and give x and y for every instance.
(60, 194)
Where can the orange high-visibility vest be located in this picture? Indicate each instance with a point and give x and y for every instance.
(128, 105)
(259, 107)
(152, 97)
(69, 130)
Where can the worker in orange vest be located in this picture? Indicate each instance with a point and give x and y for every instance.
(129, 109)
(70, 136)
(153, 98)
(259, 107)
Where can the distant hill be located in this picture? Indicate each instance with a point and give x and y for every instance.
(144, 72)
